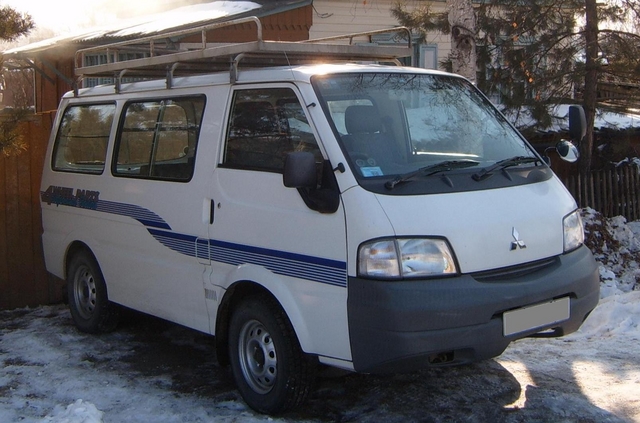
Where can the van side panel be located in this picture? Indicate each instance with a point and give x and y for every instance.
(265, 233)
(143, 230)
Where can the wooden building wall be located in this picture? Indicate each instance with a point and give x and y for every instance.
(48, 93)
(293, 25)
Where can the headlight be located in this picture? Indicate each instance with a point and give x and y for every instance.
(405, 258)
(573, 231)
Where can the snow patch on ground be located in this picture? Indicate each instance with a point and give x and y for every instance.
(78, 412)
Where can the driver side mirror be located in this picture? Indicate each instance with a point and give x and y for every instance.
(299, 170)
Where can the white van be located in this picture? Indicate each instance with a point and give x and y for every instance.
(371, 218)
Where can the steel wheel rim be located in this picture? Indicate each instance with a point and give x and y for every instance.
(84, 292)
(258, 359)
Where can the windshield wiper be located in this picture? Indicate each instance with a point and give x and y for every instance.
(503, 164)
(431, 170)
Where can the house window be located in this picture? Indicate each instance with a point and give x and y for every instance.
(428, 56)
(101, 59)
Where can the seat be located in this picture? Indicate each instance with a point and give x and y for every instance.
(366, 136)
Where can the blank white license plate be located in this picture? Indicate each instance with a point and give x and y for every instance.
(537, 316)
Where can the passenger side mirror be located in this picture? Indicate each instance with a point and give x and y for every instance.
(577, 123)
(567, 151)
(300, 170)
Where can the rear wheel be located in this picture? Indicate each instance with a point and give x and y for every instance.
(270, 369)
(88, 301)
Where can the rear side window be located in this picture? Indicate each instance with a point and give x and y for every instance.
(157, 139)
(81, 143)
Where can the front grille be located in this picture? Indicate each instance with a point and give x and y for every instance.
(513, 272)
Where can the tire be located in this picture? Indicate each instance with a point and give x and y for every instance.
(88, 301)
(270, 369)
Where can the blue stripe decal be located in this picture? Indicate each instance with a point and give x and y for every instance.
(301, 266)
(312, 268)
(84, 199)
(142, 215)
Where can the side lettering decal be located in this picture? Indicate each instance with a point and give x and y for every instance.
(83, 198)
(86, 199)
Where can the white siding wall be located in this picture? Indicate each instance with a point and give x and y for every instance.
(337, 17)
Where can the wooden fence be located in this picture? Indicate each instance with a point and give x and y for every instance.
(23, 278)
(611, 192)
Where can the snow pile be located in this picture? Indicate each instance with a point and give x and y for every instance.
(78, 412)
(615, 245)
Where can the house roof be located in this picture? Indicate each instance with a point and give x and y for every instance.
(181, 18)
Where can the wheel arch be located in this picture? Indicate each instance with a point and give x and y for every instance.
(233, 296)
(74, 248)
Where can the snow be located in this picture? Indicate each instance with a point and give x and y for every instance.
(560, 119)
(153, 371)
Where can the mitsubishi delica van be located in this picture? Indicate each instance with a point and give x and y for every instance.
(373, 218)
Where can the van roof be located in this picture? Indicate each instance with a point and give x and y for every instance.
(294, 73)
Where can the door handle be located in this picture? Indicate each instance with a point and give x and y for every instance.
(211, 212)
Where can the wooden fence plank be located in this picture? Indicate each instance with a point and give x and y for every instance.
(12, 230)
(5, 300)
(45, 284)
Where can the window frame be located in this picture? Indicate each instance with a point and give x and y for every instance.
(56, 143)
(119, 132)
(223, 162)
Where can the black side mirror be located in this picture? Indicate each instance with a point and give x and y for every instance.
(300, 170)
(577, 123)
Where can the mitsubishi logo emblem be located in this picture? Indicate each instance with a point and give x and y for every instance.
(517, 243)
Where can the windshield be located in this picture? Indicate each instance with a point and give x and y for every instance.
(392, 124)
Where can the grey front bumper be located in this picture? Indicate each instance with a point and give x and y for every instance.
(397, 326)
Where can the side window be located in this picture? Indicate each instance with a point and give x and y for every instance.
(158, 138)
(81, 142)
(265, 125)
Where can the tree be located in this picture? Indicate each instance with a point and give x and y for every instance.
(13, 24)
(541, 53)
(462, 21)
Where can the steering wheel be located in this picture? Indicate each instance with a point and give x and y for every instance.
(362, 159)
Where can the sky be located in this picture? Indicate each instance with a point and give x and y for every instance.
(64, 16)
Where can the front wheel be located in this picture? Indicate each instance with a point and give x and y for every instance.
(88, 301)
(270, 369)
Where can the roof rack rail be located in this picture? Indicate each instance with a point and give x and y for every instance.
(159, 56)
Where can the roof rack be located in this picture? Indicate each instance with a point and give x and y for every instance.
(158, 56)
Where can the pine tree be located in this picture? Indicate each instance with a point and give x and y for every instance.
(13, 24)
